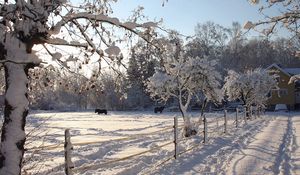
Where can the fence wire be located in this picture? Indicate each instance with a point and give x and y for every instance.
(214, 129)
(82, 168)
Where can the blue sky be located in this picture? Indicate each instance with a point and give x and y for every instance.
(183, 15)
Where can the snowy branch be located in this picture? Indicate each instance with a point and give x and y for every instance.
(58, 41)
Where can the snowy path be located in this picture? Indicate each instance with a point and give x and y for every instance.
(214, 157)
(267, 153)
(295, 156)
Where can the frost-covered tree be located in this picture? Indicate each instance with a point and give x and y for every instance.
(42, 87)
(250, 87)
(182, 78)
(27, 25)
(287, 16)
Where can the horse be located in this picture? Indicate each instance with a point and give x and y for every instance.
(159, 109)
(101, 111)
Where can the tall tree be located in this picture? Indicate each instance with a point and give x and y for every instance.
(25, 24)
(142, 61)
(210, 40)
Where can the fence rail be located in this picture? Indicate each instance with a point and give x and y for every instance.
(210, 128)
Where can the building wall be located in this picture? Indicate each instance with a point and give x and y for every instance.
(287, 97)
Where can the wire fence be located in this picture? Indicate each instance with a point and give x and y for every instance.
(211, 127)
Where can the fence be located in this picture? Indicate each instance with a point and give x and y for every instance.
(210, 127)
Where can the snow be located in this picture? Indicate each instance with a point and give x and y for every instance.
(261, 156)
(250, 87)
(149, 24)
(130, 25)
(15, 97)
(292, 71)
(281, 107)
(184, 78)
(248, 25)
(254, 1)
(16, 51)
(267, 145)
(113, 50)
(56, 56)
(294, 145)
(294, 78)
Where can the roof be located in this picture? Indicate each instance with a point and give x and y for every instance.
(292, 71)
(279, 68)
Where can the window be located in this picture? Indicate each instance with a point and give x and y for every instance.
(269, 95)
(283, 92)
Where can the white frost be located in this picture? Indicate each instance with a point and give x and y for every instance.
(16, 51)
(113, 50)
(130, 25)
(149, 24)
(248, 25)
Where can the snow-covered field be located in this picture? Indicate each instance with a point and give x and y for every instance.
(142, 143)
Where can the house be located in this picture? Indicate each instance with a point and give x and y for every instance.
(288, 94)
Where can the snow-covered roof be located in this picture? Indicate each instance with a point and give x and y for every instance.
(279, 68)
(292, 71)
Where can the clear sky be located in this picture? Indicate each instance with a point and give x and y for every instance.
(183, 15)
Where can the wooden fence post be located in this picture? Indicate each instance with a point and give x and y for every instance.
(251, 110)
(218, 124)
(256, 112)
(204, 129)
(245, 115)
(225, 121)
(236, 117)
(68, 147)
(176, 136)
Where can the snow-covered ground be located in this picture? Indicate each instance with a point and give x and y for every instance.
(142, 143)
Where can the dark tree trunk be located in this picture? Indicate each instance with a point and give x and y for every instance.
(204, 103)
(203, 106)
(16, 109)
(248, 112)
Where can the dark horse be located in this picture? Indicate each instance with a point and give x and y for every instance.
(101, 111)
(159, 109)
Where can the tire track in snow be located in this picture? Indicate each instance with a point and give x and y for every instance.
(283, 160)
(213, 157)
(265, 154)
(294, 146)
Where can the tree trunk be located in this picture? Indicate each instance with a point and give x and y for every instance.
(188, 129)
(204, 103)
(248, 111)
(16, 109)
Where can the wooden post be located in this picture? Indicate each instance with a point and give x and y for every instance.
(176, 136)
(218, 123)
(258, 112)
(245, 115)
(204, 129)
(225, 121)
(68, 147)
(236, 117)
(251, 112)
